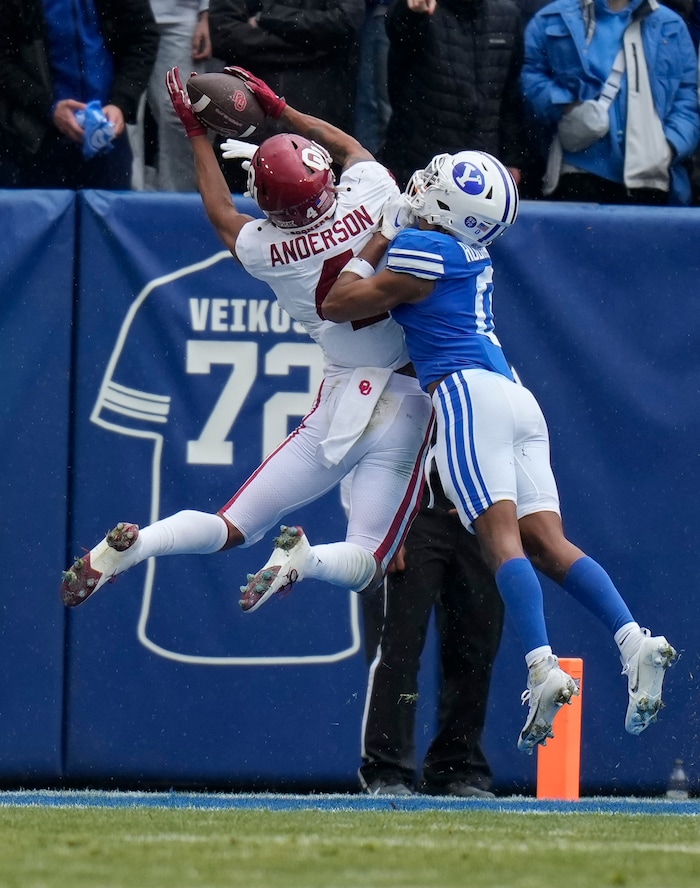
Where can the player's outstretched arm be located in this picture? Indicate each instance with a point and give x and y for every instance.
(216, 196)
(358, 293)
(343, 148)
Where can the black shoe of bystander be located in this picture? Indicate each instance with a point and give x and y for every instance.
(456, 788)
(387, 787)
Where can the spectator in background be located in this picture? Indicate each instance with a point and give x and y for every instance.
(183, 40)
(372, 106)
(306, 50)
(454, 68)
(610, 143)
(55, 58)
(441, 569)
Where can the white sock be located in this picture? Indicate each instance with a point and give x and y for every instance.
(537, 655)
(539, 665)
(628, 639)
(185, 533)
(342, 564)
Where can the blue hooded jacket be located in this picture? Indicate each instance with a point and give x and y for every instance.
(558, 70)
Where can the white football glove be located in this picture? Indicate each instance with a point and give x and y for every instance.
(235, 149)
(396, 215)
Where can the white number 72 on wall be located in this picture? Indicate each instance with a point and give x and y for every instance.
(213, 446)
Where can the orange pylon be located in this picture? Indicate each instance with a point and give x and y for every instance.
(559, 762)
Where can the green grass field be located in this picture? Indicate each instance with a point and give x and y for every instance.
(188, 848)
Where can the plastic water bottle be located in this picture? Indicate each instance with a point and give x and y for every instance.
(677, 782)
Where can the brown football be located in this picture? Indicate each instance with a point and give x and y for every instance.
(225, 104)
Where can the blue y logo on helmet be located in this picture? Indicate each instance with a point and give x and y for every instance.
(468, 177)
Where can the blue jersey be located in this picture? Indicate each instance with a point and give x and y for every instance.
(453, 329)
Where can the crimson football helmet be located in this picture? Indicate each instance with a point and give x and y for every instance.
(470, 194)
(291, 180)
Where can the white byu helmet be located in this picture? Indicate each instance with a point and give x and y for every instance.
(470, 194)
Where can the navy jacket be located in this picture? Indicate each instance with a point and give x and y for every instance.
(454, 83)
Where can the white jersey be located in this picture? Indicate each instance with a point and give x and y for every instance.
(301, 267)
(366, 418)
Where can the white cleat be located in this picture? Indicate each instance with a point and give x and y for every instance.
(284, 568)
(90, 572)
(548, 689)
(645, 672)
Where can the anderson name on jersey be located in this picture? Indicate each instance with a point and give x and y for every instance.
(301, 266)
(460, 301)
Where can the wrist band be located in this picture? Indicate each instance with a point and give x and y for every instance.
(360, 267)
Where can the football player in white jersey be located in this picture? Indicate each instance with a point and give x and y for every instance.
(492, 449)
(370, 414)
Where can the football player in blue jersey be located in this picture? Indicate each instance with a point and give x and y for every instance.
(492, 449)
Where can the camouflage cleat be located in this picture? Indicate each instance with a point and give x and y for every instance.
(548, 689)
(99, 566)
(284, 568)
(122, 537)
(645, 673)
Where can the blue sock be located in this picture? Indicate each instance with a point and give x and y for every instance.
(522, 595)
(591, 586)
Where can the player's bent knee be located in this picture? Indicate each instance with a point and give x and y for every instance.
(235, 537)
(375, 583)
